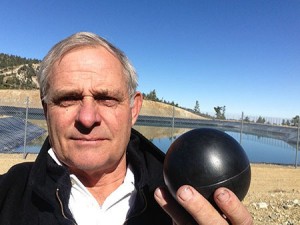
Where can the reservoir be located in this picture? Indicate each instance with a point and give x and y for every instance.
(260, 149)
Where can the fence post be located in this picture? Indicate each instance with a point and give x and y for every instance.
(241, 131)
(173, 122)
(297, 148)
(25, 131)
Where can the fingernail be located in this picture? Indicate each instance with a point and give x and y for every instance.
(158, 193)
(223, 196)
(185, 194)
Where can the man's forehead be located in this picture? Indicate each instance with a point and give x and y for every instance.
(88, 61)
(99, 48)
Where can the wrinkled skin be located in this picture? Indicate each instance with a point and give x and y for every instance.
(89, 116)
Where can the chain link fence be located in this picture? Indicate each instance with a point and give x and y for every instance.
(23, 129)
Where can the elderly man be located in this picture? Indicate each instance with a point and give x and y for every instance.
(94, 168)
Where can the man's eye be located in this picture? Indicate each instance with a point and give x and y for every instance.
(107, 101)
(67, 101)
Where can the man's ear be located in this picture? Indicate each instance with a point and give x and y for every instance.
(136, 107)
(45, 108)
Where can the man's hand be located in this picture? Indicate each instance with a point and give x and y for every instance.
(200, 211)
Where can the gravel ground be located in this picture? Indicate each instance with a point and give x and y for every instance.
(273, 197)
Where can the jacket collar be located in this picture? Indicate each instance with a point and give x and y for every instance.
(146, 160)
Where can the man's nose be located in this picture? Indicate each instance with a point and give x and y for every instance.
(88, 114)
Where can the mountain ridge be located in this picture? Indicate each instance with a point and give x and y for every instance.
(18, 80)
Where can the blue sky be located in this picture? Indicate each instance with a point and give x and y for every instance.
(244, 55)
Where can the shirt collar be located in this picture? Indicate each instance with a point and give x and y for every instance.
(127, 185)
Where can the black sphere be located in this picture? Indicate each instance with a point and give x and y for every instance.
(207, 159)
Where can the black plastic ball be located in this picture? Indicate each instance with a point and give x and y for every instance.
(207, 159)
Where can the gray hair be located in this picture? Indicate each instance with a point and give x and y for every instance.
(83, 39)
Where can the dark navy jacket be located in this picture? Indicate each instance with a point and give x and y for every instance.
(38, 193)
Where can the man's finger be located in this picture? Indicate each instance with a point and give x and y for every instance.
(231, 206)
(196, 205)
(172, 208)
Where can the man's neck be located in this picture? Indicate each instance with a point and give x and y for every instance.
(100, 183)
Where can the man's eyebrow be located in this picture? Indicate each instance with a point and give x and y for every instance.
(110, 93)
(62, 93)
(96, 93)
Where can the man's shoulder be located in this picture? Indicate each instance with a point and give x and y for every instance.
(147, 146)
(16, 173)
(146, 160)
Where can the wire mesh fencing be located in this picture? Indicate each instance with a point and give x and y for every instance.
(23, 128)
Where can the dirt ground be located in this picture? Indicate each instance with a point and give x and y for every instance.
(273, 197)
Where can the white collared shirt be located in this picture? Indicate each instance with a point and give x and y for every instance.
(113, 211)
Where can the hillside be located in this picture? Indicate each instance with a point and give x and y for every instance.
(18, 97)
(18, 80)
(17, 72)
(7, 61)
(152, 108)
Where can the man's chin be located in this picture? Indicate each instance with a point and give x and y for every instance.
(92, 166)
(87, 144)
